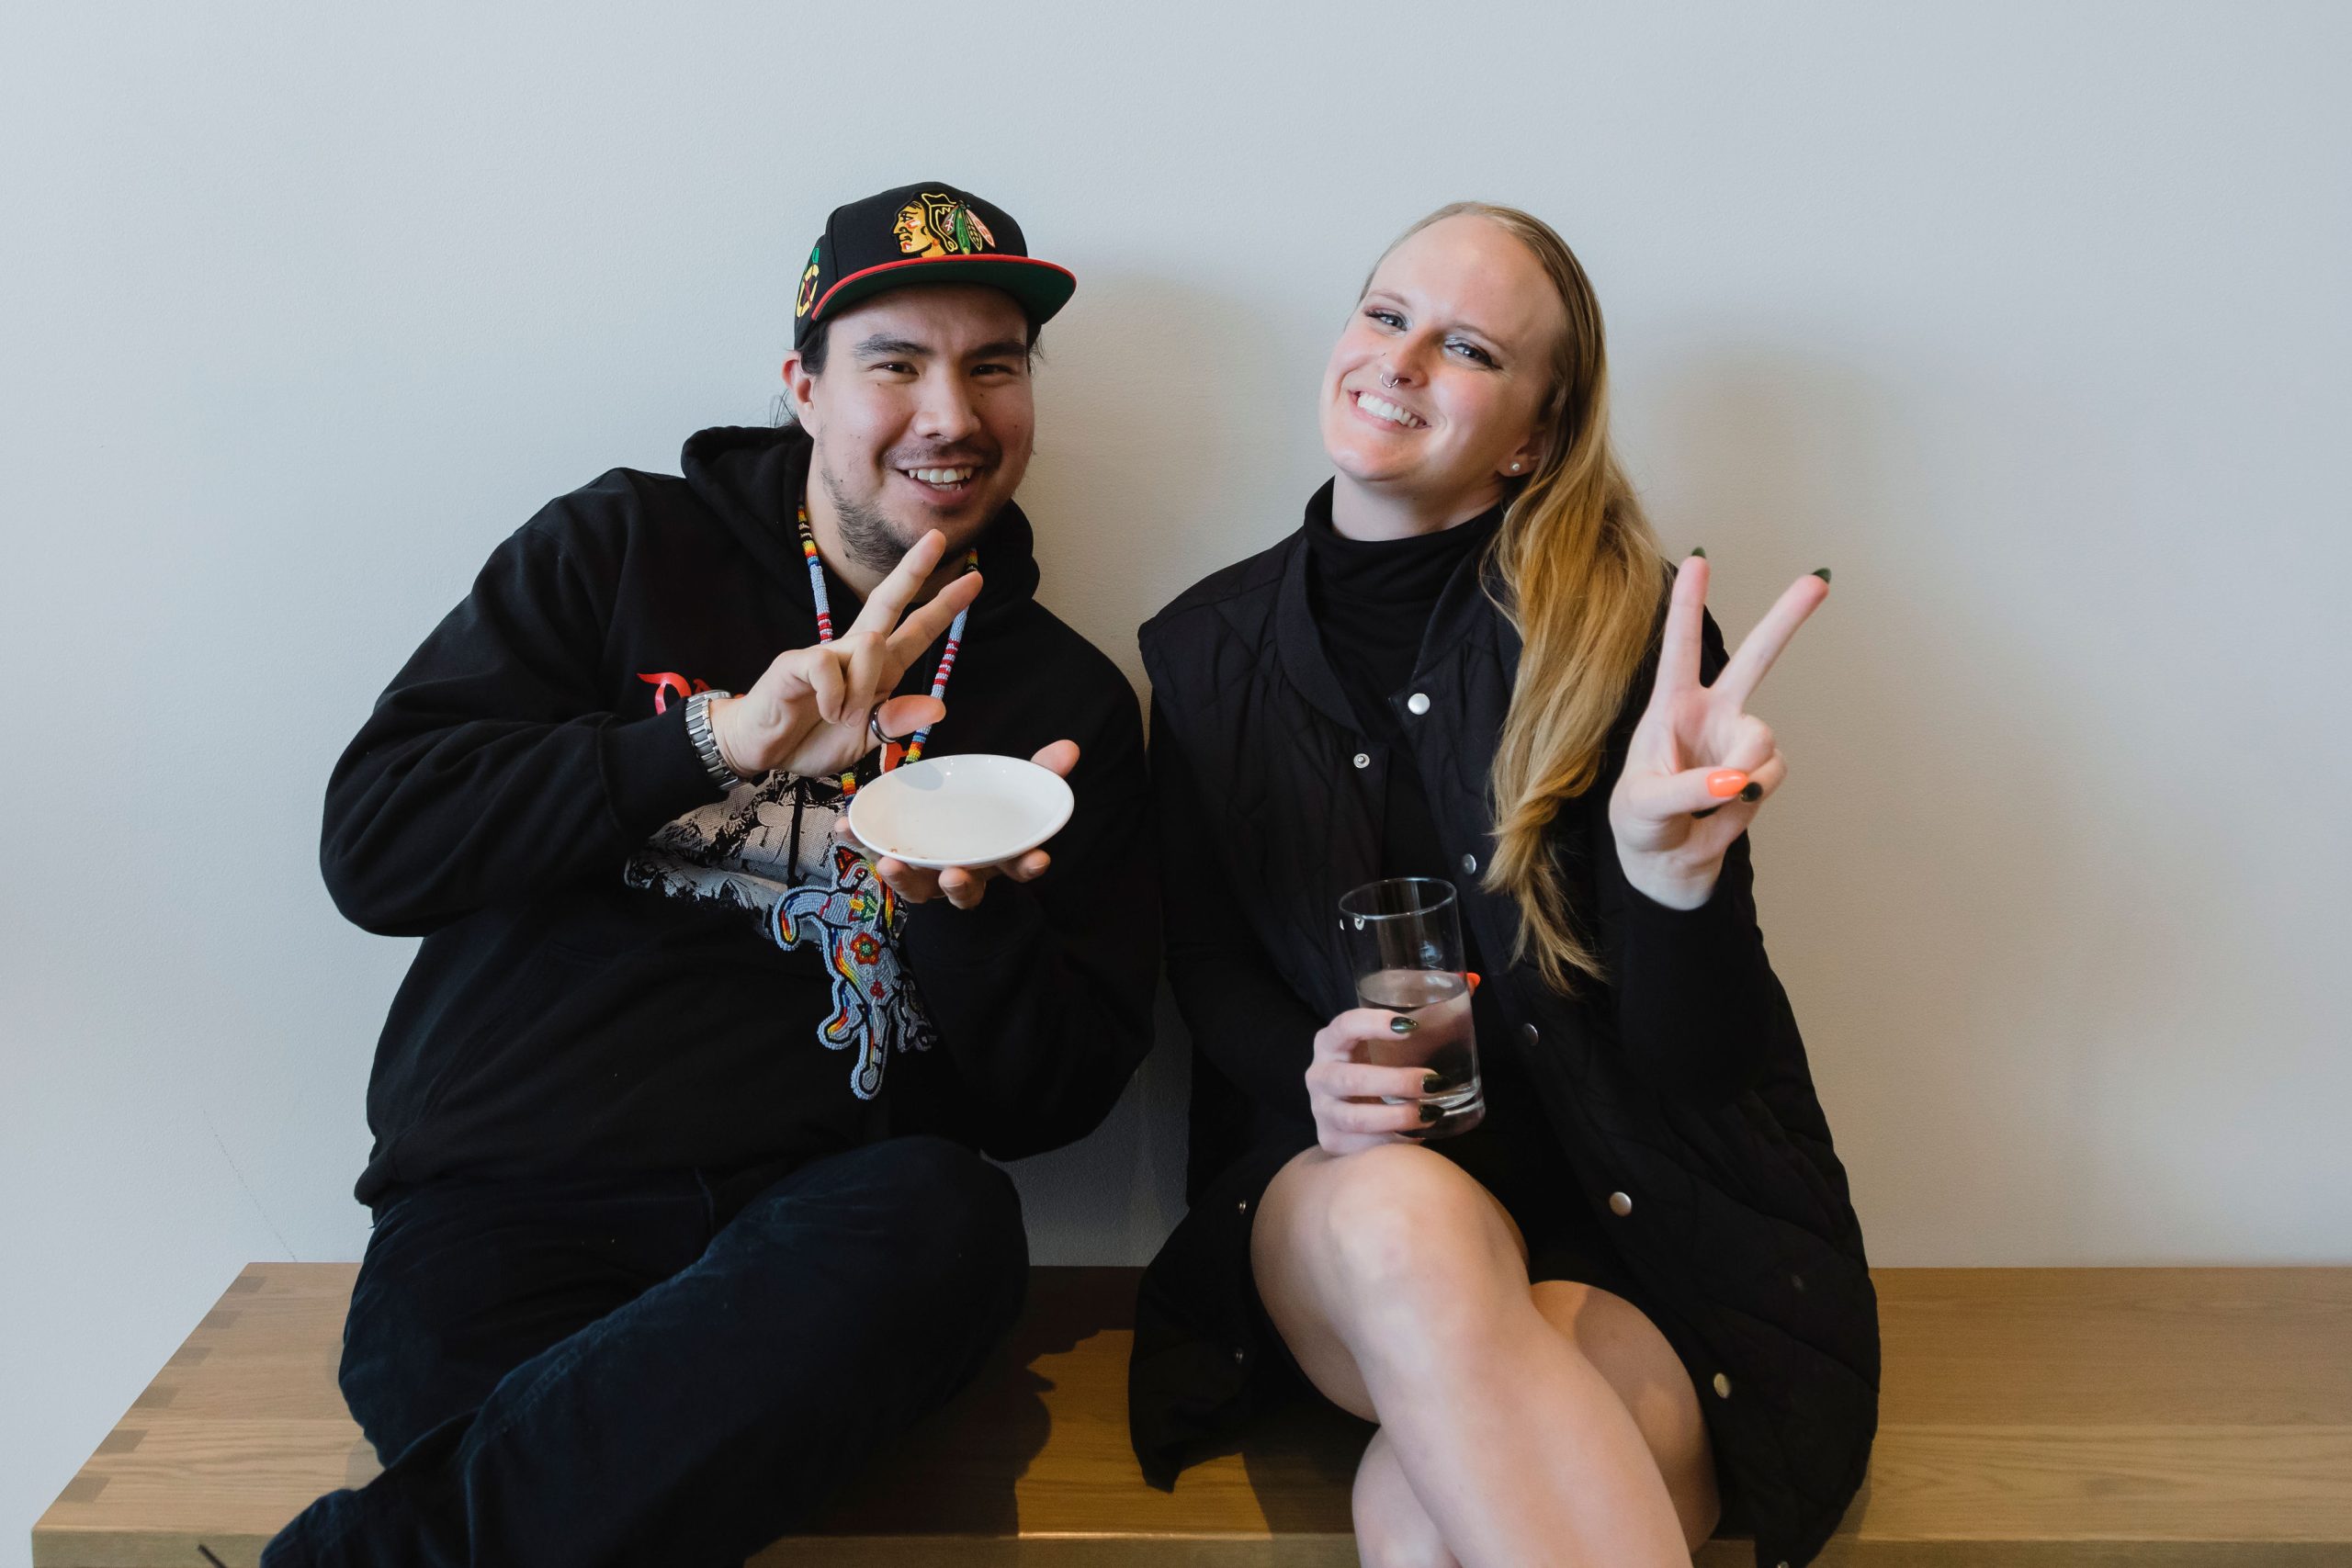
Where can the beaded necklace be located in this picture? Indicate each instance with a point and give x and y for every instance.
(846, 911)
(825, 633)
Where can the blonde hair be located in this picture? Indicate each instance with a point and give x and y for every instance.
(1582, 577)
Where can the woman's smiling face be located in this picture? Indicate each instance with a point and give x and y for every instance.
(1462, 318)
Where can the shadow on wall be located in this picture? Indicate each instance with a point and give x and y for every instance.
(1142, 457)
(1983, 923)
(1113, 1197)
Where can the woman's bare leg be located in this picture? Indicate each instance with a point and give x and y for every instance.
(1653, 1384)
(1392, 1530)
(1398, 1284)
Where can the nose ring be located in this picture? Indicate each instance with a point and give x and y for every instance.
(1387, 380)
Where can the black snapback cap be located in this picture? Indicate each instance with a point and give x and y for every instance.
(922, 233)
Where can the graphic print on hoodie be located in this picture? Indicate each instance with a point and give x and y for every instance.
(780, 851)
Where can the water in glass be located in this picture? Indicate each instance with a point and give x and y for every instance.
(1438, 1000)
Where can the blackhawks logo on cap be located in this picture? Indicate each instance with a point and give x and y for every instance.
(923, 231)
(933, 224)
(809, 282)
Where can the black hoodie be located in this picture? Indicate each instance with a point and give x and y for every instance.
(599, 989)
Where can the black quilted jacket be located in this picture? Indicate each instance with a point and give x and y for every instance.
(1678, 1091)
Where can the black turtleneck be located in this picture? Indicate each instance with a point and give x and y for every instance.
(1372, 600)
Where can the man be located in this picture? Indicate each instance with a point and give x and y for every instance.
(678, 1211)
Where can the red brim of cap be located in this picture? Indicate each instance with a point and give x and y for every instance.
(1040, 286)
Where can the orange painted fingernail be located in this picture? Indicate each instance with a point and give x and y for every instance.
(1724, 783)
(1472, 975)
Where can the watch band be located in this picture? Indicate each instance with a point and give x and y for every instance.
(714, 760)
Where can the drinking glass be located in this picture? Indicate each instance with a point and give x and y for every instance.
(1404, 939)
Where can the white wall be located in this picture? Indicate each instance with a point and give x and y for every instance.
(2027, 319)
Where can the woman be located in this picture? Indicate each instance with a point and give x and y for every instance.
(1632, 1304)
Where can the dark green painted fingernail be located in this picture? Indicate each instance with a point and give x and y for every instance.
(1432, 1083)
(1821, 572)
(1698, 551)
(1431, 1111)
(1754, 792)
(1400, 1024)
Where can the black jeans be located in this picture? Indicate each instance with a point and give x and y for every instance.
(671, 1370)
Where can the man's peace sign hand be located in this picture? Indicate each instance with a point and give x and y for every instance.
(808, 714)
(1700, 765)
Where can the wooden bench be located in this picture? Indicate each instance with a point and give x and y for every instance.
(2040, 1416)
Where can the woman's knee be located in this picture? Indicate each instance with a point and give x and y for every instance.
(1402, 1225)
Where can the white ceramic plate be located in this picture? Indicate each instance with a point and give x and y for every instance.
(969, 810)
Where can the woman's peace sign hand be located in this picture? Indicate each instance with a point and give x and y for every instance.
(808, 713)
(1700, 765)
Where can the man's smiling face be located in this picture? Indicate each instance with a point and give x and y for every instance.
(923, 416)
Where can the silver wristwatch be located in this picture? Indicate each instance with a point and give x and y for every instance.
(714, 762)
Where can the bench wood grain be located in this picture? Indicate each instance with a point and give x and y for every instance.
(2178, 1417)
